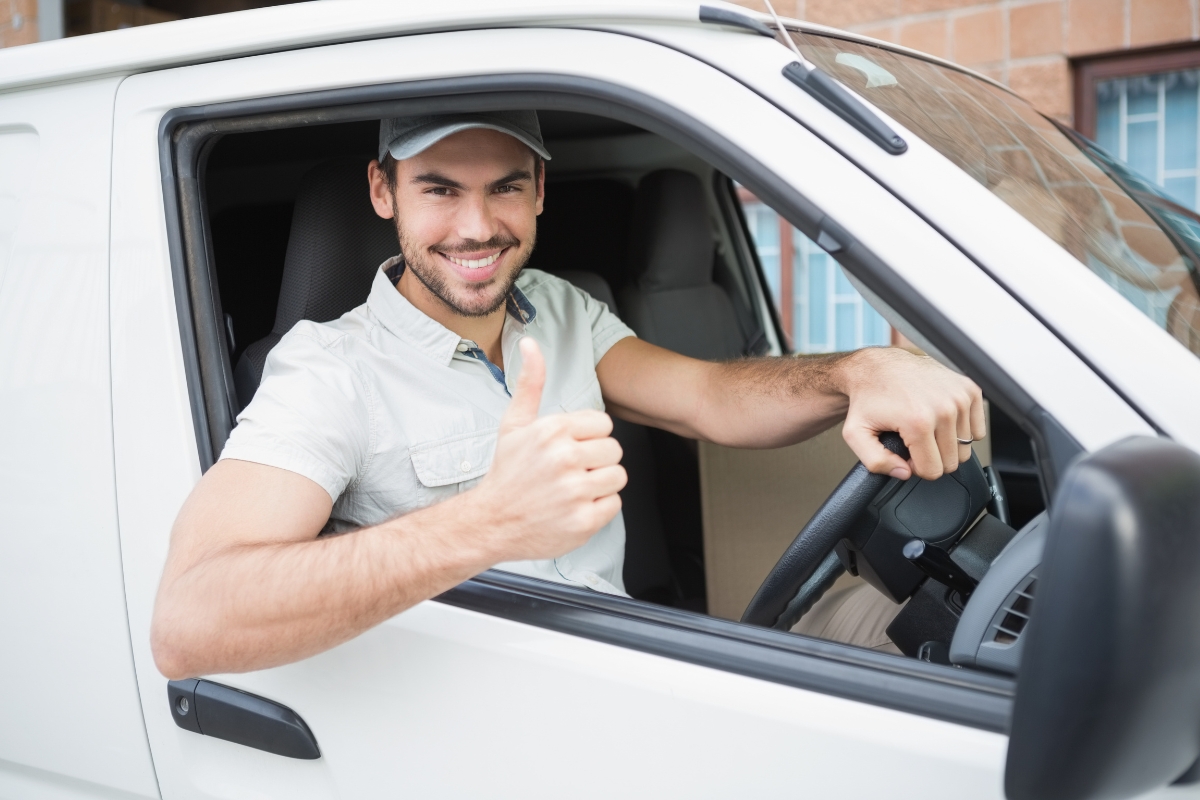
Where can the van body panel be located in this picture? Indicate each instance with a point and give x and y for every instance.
(72, 720)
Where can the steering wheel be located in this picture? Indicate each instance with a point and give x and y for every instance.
(809, 566)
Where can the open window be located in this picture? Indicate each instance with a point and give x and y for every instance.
(261, 194)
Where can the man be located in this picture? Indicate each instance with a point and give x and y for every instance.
(453, 422)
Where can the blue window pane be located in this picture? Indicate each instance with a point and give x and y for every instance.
(876, 331)
(1142, 94)
(845, 326)
(841, 285)
(766, 230)
(770, 265)
(1143, 148)
(1182, 191)
(1179, 149)
(1108, 118)
(818, 300)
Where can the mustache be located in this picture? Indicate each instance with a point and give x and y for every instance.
(497, 242)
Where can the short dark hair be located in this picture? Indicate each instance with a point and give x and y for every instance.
(388, 167)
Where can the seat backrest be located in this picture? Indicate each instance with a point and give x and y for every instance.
(593, 284)
(673, 301)
(337, 242)
(647, 573)
(585, 228)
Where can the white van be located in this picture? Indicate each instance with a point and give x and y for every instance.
(173, 198)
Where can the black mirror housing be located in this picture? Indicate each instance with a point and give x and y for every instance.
(1108, 693)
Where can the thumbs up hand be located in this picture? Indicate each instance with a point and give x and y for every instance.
(554, 479)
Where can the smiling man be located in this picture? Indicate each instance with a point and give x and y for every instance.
(455, 422)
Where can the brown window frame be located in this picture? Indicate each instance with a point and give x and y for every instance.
(1089, 71)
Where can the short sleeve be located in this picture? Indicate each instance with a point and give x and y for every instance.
(607, 327)
(311, 414)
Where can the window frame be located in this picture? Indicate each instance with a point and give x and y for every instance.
(1128, 64)
(186, 137)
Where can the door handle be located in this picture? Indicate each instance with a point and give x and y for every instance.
(223, 712)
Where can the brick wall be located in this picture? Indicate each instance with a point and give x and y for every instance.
(1023, 43)
(18, 22)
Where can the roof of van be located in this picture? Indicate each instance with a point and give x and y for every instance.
(311, 24)
(287, 27)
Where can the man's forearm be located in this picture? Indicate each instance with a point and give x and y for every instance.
(254, 606)
(771, 402)
(748, 403)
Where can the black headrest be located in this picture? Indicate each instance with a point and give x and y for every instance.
(671, 246)
(336, 244)
(585, 227)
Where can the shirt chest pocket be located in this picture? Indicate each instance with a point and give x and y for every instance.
(587, 397)
(455, 460)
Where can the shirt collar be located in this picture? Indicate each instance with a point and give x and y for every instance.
(408, 322)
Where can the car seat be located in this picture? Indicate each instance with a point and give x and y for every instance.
(648, 574)
(673, 301)
(584, 227)
(336, 244)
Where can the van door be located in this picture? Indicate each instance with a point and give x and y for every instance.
(70, 721)
(508, 690)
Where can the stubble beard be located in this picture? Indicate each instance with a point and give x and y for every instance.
(482, 299)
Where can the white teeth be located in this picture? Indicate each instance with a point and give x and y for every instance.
(474, 263)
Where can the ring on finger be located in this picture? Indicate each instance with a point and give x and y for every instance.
(966, 442)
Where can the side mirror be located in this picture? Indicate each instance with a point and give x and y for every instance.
(1108, 693)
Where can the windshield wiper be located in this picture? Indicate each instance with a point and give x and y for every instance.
(831, 94)
(823, 88)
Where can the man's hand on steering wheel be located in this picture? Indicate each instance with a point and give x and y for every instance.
(934, 410)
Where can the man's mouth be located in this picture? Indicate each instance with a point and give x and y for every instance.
(477, 267)
(476, 263)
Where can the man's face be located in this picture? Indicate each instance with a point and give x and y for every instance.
(466, 215)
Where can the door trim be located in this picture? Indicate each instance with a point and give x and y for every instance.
(976, 699)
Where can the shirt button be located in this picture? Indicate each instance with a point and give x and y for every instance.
(462, 347)
(465, 466)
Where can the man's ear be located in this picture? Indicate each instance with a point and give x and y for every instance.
(381, 195)
(539, 169)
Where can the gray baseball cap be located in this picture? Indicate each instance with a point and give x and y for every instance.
(405, 137)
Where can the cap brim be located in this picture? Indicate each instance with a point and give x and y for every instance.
(422, 139)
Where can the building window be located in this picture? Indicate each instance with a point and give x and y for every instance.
(1145, 111)
(820, 310)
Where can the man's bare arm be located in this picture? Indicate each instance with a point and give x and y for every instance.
(773, 402)
(248, 584)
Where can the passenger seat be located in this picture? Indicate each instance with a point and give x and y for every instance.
(673, 301)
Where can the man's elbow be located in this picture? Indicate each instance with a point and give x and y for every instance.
(172, 655)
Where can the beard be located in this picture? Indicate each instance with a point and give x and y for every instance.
(473, 300)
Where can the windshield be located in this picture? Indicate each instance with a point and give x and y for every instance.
(1123, 228)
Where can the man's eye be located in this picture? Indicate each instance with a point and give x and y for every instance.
(439, 191)
(508, 189)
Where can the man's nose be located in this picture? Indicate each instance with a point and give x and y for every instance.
(476, 221)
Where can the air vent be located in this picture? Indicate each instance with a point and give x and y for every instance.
(1014, 616)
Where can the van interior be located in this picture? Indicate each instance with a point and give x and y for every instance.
(293, 236)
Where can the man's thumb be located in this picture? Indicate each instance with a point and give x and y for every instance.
(527, 398)
(874, 456)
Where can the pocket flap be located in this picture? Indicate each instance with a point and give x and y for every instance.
(454, 460)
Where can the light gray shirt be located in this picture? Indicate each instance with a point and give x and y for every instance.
(389, 411)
